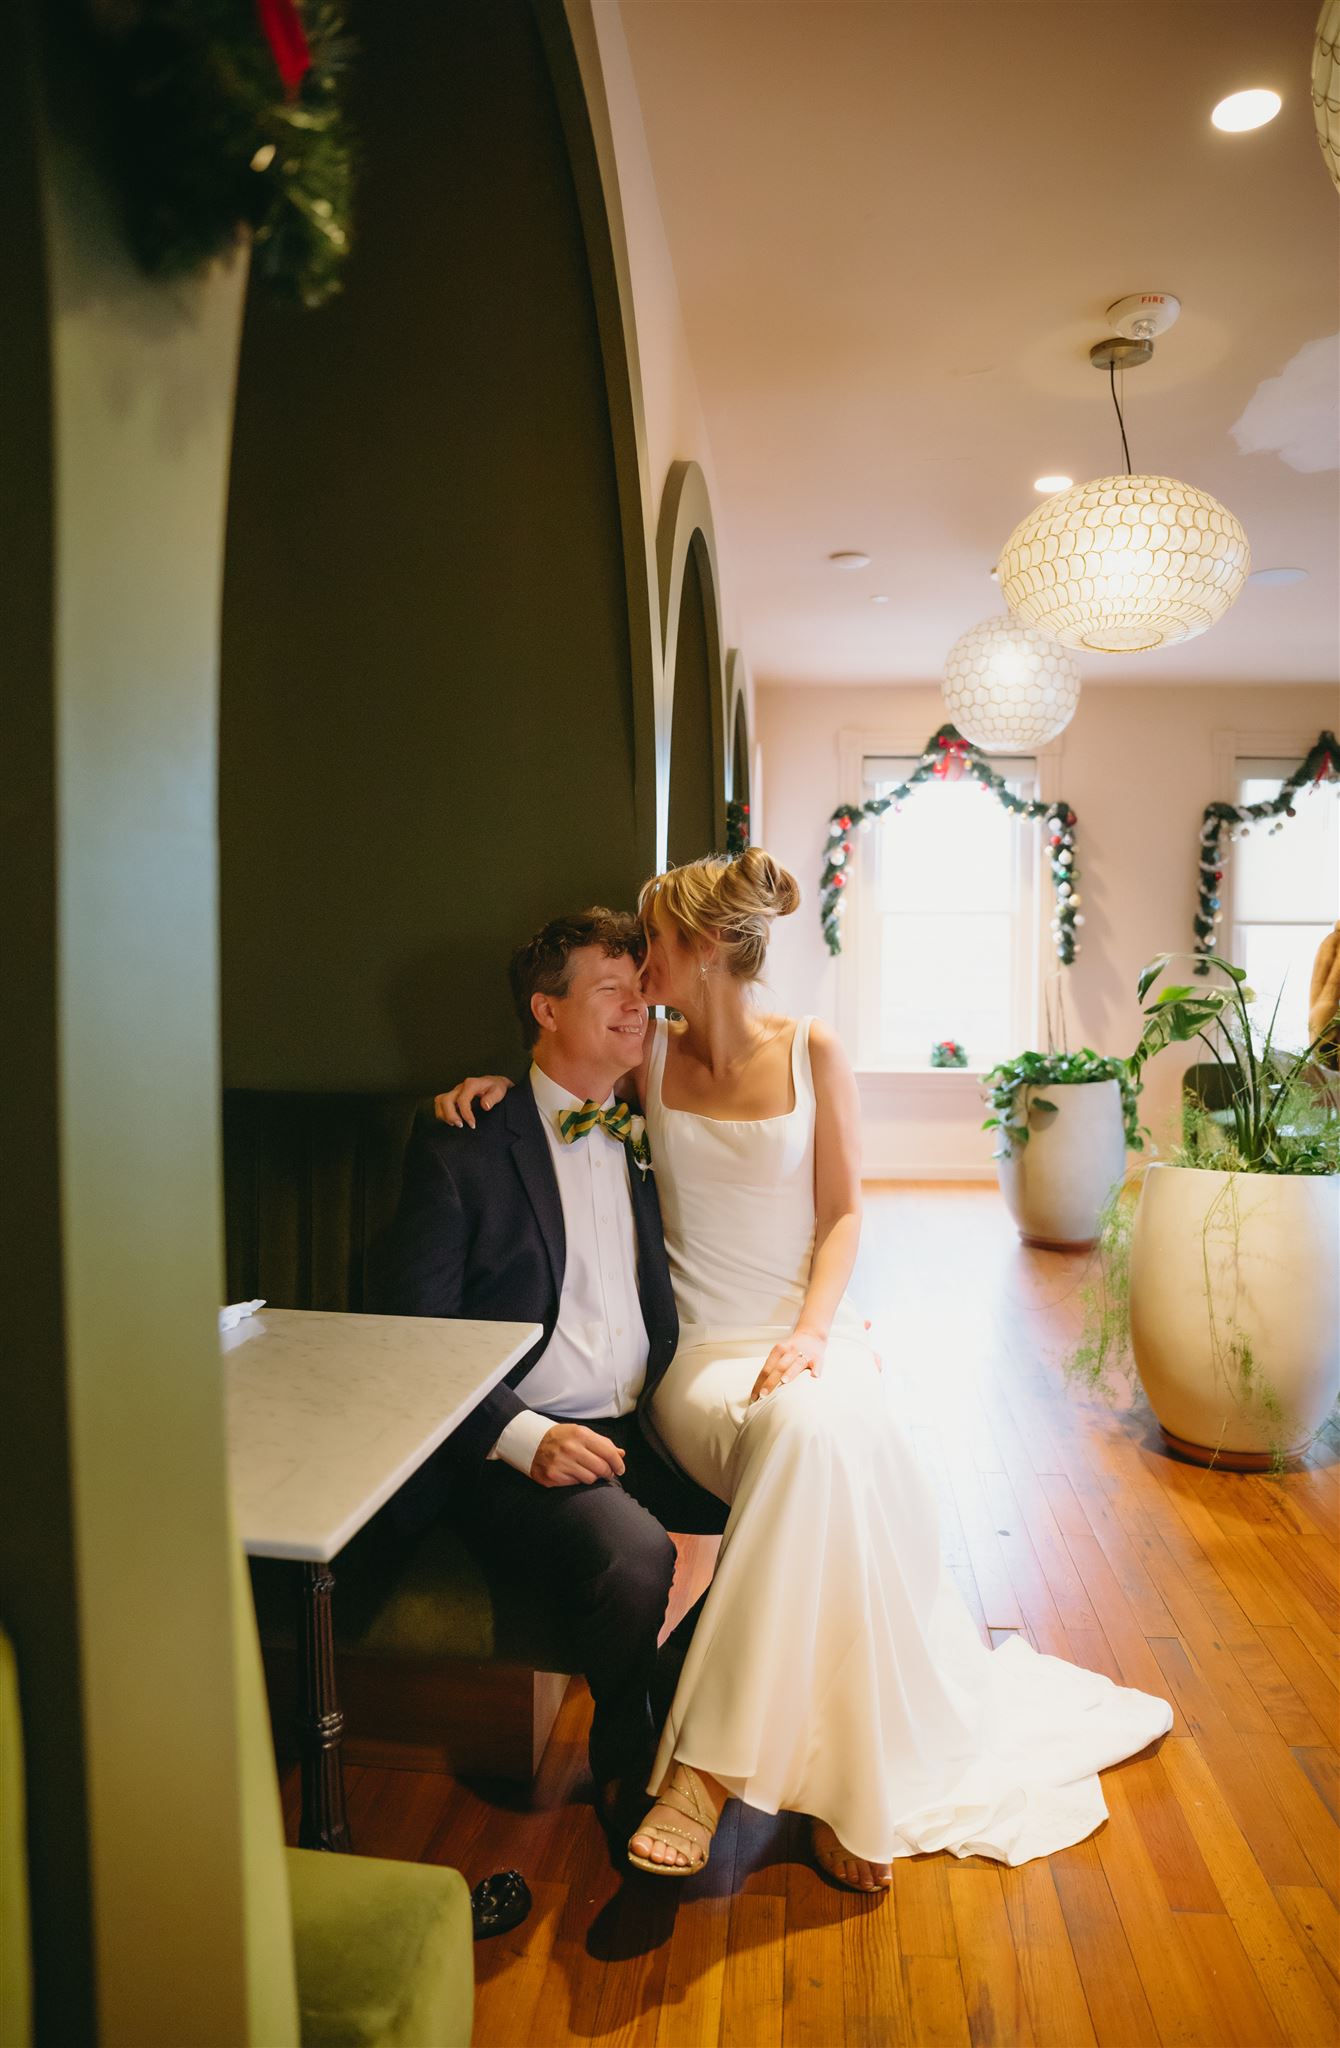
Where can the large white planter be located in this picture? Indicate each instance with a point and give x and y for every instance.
(1220, 1259)
(1055, 1185)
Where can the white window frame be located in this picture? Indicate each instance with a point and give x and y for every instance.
(1036, 955)
(1231, 748)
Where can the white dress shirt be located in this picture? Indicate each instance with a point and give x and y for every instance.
(596, 1360)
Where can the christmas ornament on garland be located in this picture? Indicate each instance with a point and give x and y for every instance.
(948, 757)
(1321, 765)
(737, 828)
(227, 116)
(947, 1052)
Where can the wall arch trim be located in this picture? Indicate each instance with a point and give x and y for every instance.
(685, 525)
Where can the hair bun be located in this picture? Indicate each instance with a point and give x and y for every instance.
(775, 892)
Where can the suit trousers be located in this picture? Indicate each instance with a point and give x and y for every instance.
(602, 1555)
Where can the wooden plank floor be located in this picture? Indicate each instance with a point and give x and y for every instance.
(1204, 1911)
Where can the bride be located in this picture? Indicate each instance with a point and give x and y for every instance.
(835, 1670)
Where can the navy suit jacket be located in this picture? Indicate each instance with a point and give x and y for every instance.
(479, 1233)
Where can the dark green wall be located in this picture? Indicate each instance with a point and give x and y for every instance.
(692, 803)
(427, 730)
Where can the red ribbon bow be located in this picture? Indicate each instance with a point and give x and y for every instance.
(281, 25)
(953, 760)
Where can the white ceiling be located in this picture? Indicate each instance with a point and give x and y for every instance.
(896, 226)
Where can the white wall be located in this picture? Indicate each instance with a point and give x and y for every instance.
(1138, 765)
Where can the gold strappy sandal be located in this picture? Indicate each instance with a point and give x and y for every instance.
(682, 1795)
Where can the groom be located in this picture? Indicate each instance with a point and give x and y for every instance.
(548, 1213)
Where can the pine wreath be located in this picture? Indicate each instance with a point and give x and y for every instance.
(946, 757)
(224, 116)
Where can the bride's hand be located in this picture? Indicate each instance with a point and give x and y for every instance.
(454, 1107)
(802, 1351)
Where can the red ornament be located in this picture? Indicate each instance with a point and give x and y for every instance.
(745, 809)
(845, 823)
(281, 25)
(1218, 874)
(839, 881)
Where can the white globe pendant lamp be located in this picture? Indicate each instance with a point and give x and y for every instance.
(1008, 687)
(1127, 563)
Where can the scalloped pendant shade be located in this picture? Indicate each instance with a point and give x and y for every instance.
(1124, 564)
(1008, 687)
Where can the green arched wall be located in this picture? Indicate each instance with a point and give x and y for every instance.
(438, 699)
(739, 782)
(693, 721)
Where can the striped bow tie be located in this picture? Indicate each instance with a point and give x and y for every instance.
(578, 1123)
(619, 1121)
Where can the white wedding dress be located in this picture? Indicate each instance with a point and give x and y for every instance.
(835, 1669)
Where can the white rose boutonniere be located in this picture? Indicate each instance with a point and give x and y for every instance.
(639, 1144)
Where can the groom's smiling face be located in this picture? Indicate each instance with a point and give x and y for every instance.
(599, 1023)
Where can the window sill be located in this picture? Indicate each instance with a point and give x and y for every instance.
(936, 1074)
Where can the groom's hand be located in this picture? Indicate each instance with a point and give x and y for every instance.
(571, 1455)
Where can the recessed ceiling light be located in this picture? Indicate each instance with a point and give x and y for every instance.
(1244, 110)
(879, 600)
(850, 558)
(1275, 579)
(1052, 483)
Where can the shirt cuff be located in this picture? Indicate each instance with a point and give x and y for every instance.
(522, 1439)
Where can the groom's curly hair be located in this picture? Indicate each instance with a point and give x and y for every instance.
(543, 965)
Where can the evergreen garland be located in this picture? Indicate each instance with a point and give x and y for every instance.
(1321, 765)
(737, 828)
(224, 116)
(946, 757)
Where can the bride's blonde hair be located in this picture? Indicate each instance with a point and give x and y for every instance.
(730, 903)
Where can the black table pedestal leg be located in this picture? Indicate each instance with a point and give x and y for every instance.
(321, 1734)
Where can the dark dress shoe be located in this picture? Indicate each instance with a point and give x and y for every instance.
(499, 1903)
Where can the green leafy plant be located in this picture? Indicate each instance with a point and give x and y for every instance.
(1006, 1083)
(1278, 1115)
(1278, 1119)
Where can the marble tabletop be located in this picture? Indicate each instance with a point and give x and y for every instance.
(329, 1414)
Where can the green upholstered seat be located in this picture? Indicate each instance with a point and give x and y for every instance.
(16, 1996)
(383, 1951)
(426, 1598)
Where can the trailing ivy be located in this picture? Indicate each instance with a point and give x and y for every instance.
(1006, 1083)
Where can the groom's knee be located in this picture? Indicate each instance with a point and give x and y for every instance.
(634, 1588)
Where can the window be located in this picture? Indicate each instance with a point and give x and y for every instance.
(944, 920)
(1285, 896)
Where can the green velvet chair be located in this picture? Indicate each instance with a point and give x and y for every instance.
(16, 1970)
(342, 1951)
(442, 1666)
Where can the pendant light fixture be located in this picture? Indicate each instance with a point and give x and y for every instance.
(1008, 687)
(1124, 564)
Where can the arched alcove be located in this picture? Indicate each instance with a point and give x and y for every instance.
(692, 726)
(692, 825)
(431, 603)
(739, 774)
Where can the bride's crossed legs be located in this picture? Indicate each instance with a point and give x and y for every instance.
(775, 1451)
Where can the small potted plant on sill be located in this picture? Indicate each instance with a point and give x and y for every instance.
(948, 1052)
(1222, 1285)
(1063, 1121)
